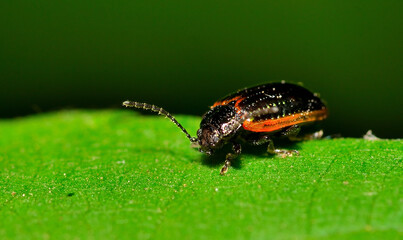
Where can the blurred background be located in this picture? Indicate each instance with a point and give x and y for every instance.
(184, 55)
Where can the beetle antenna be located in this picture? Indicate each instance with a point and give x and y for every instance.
(160, 111)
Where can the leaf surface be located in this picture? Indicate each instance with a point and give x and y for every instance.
(118, 174)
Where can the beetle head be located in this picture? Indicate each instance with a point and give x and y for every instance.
(209, 139)
(219, 125)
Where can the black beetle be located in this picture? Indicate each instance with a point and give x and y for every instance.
(254, 115)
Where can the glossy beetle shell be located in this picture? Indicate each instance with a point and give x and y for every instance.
(264, 109)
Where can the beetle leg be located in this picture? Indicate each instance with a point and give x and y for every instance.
(292, 131)
(236, 147)
(282, 152)
(271, 149)
(261, 140)
(309, 136)
(292, 134)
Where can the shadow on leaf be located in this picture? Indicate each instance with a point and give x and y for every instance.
(260, 151)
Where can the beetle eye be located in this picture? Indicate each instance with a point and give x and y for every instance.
(215, 137)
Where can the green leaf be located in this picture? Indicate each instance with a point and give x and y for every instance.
(118, 174)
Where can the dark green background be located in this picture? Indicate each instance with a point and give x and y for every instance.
(185, 55)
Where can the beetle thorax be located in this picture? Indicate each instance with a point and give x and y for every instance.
(217, 127)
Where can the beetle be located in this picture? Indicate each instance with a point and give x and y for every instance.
(254, 115)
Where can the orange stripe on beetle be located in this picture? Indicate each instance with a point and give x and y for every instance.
(238, 100)
(271, 125)
(225, 102)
